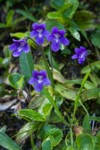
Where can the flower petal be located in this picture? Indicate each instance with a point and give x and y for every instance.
(35, 73)
(16, 54)
(54, 30)
(74, 56)
(46, 81)
(38, 87)
(43, 73)
(26, 48)
(82, 48)
(35, 25)
(50, 37)
(46, 33)
(62, 32)
(77, 50)
(32, 80)
(33, 34)
(19, 41)
(42, 26)
(81, 60)
(13, 47)
(40, 39)
(64, 41)
(55, 46)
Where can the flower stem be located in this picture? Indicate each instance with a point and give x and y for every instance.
(77, 99)
(47, 94)
(71, 136)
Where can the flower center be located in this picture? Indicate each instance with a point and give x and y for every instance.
(82, 54)
(40, 79)
(39, 31)
(40, 35)
(21, 46)
(57, 36)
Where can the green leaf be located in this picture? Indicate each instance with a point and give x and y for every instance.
(65, 92)
(16, 80)
(26, 14)
(7, 142)
(95, 118)
(31, 115)
(95, 79)
(9, 18)
(54, 15)
(85, 142)
(18, 35)
(57, 3)
(86, 123)
(69, 8)
(26, 64)
(89, 85)
(46, 144)
(55, 136)
(58, 76)
(26, 131)
(3, 25)
(47, 109)
(97, 142)
(70, 148)
(96, 38)
(94, 65)
(32, 43)
(36, 102)
(84, 19)
(7, 52)
(75, 33)
(51, 23)
(91, 94)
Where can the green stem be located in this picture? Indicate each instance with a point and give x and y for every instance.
(71, 136)
(51, 62)
(32, 142)
(48, 70)
(84, 107)
(92, 70)
(47, 94)
(78, 95)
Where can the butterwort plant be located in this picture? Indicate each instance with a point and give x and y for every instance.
(39, 79)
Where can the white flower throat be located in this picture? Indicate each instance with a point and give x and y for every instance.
(40, 79)
(21, 46)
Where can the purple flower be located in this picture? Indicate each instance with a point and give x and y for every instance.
(39, 32)
(19, 46)
(39, 79)
(57, 37)
(81, 54)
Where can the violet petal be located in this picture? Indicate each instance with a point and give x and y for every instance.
(13, 46)
(26, 48)
(40, 39)
(64, 41)
(55, 46)
(74, 56)
(16, 54)
(46, 81)
(38, 87)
